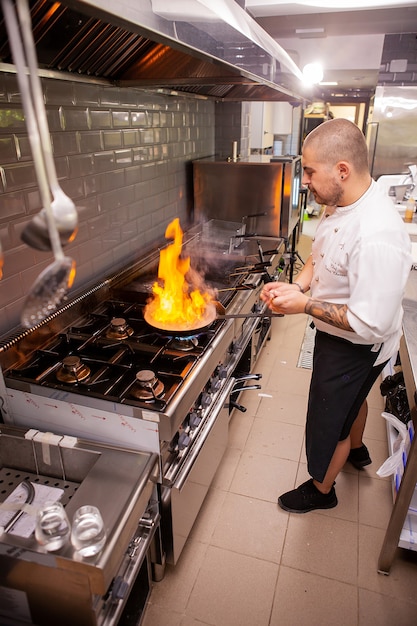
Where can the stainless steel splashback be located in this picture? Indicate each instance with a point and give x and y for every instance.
(257, 192)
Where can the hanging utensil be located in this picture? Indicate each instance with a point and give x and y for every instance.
(66, 218)
(53, 283)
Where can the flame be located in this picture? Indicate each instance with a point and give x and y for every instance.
(178, 300)
(72, 274)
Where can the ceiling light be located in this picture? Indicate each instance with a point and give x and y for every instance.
(309, 33)
(328, 83)
(313, 73)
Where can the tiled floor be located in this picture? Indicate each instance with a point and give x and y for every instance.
(247, 562)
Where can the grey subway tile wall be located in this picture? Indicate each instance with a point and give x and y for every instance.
(122, 155)
(230, 127)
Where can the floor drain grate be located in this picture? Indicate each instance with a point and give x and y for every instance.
(305, 360)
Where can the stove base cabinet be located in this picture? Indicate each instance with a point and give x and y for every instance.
(37, 587)
(184, 496)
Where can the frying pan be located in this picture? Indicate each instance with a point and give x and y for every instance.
(185, 329)
(214, 310)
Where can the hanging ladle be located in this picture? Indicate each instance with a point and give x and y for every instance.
(35, 234)
(53, 283)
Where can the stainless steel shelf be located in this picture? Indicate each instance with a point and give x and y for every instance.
(402, 526)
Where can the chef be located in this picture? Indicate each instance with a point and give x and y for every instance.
(352, 286)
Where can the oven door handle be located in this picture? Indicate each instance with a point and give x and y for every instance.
(200, 441)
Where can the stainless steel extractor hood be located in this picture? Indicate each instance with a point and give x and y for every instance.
(211, 48)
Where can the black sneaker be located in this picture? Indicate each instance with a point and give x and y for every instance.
(307, 498)
(359, 457)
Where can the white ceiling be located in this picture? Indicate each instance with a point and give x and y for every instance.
(348, 43)
(266, 8)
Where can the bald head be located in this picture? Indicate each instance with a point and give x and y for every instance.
(339, 140)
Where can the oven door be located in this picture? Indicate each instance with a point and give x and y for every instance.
(127, 598)
(181, 502)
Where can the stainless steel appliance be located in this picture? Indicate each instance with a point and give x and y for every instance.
(155, 44)
(392, 130)
(81, 372)
(261, 192)
(59, 587)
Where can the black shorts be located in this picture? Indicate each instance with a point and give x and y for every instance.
(343, 375)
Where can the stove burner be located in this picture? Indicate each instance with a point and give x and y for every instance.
(148, 387)
(73, 370)
(119, 329)
(184, 343)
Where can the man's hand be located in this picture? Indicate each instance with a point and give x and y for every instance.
(284, 298)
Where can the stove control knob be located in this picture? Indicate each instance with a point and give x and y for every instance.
(120, 588)
(236, 348)
(215, 384)
(183, 441)
(222, 371)
(205, 400)
(194, 420)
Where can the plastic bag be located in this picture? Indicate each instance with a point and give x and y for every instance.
(396, 462)
(396, 401)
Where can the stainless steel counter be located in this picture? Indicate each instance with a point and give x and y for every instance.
(408, 356)
(62, 587)
(408, 349)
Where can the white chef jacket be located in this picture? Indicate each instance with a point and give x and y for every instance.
(361, 257)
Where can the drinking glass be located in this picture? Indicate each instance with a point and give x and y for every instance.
(52, 528)
(88, 534)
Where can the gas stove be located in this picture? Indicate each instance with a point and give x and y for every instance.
(100, 353)
(108, 354)
(111, 359)
(97, 370)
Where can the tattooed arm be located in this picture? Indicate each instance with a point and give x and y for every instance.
(288, 299)
(334, 314)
